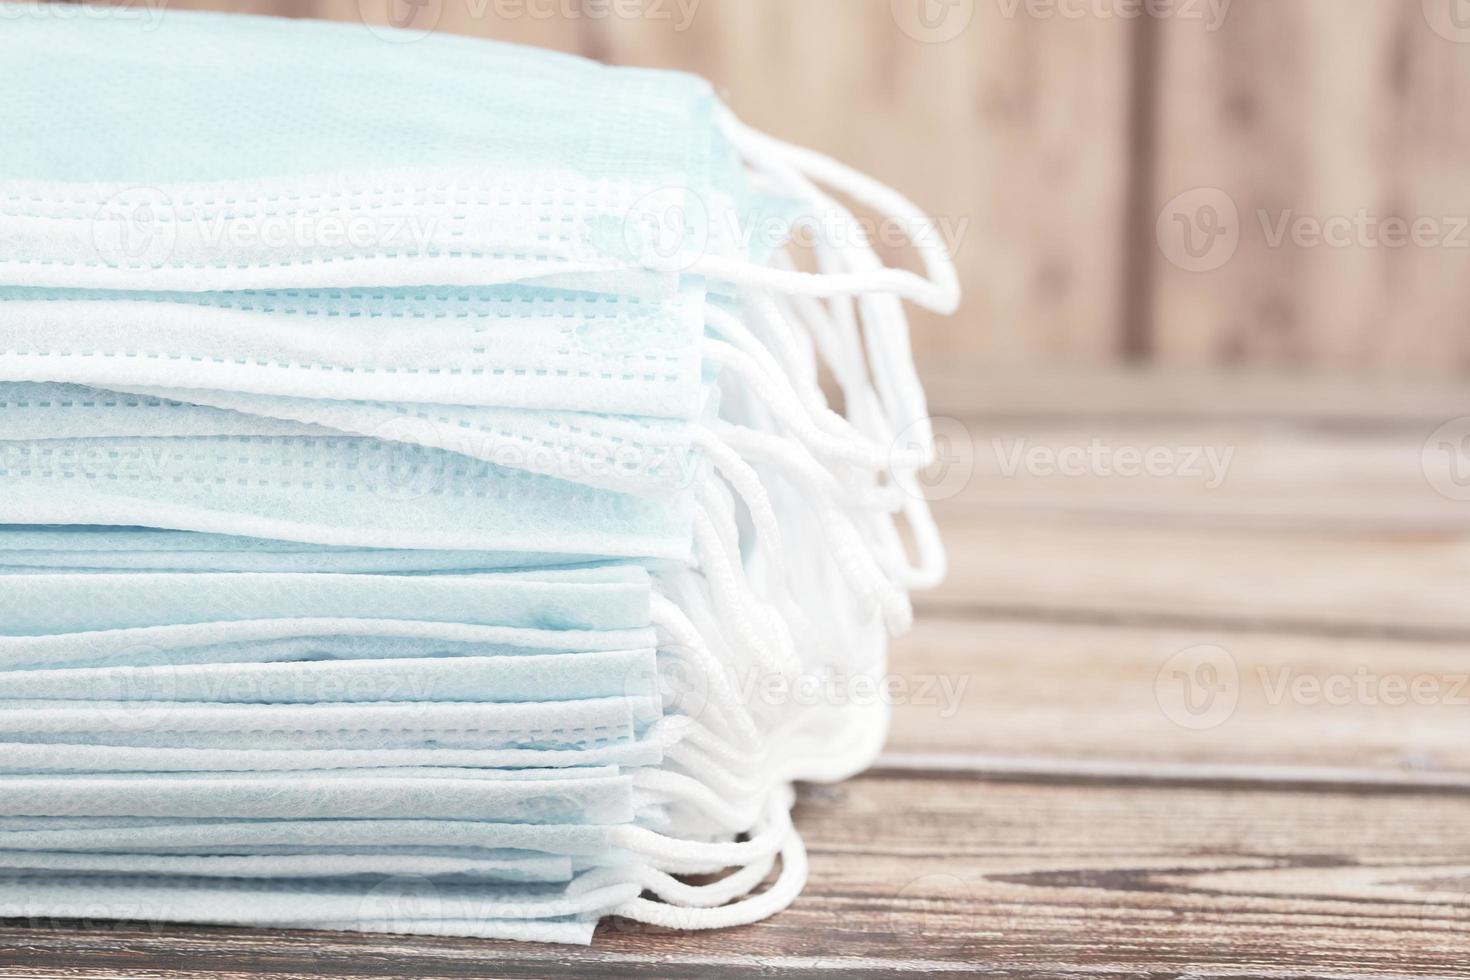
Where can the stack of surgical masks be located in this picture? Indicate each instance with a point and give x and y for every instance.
(421, 504)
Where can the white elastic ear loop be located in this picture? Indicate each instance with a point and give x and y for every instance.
(820, 745)
(850, 352)
(703, 857)
(780, 895)
(712, 895)
(849, 551)
(817, 410)
(852, 447)
(940, 292)
(669, 617)
(777, 761)
(885, 332)
(932, 562)
(857, 450)
(663, 786)
(878, 373)
(730, 593)
(830, 322)
(818, 322)
(929, 568)
(747, 484)
(719, 508)
(776, 387)
(793, 349)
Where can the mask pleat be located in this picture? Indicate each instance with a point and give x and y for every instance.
(434, 497)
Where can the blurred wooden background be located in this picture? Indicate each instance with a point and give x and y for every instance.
(1056, 137)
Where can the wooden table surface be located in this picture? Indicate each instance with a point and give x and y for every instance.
(1175, 726)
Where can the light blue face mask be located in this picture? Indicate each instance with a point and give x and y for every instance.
(554, 677)
(47, 758)
(645, 456)
(495, 106)
(565, 725)
(566, 795)
(180, 660)
(107, 548)
(318, 318)
(280, 837)
(611, 596)
(293, 866)
(520, 189)
(505, 347)
(412, 904)
(546, 167)
(352, 491)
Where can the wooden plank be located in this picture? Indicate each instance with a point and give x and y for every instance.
(1318, 113)
(1328, 583)
(1208, 693)
(917, 874)
(1251, 475)
(1011, 130)
(971, 389)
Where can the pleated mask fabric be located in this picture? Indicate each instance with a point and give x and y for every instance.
(418, 465)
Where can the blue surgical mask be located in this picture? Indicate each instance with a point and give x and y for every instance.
(429, 490)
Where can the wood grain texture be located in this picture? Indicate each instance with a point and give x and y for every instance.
(1012, 133)
(1324, 111)
(973, 877)
(1040, 686)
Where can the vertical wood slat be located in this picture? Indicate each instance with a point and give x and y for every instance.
(1326, 109)
(1013, 132)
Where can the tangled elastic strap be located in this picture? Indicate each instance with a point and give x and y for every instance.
(849, 317)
